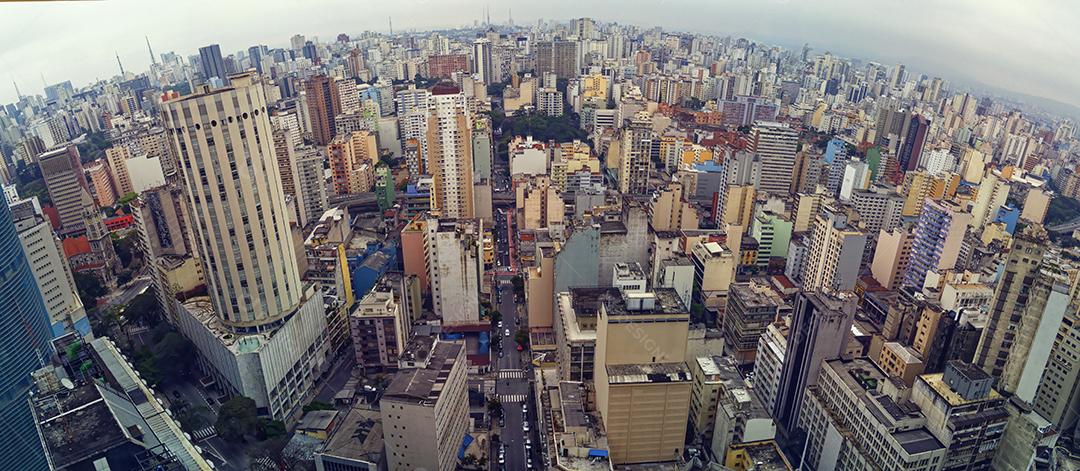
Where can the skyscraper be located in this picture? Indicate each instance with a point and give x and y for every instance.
(211, 64)
(482, 65)
(820, 326)
(634, 164)
(324, 103)
(449, 152)
(24, 334)
(238, 208)
(67, 185)
(558, 56)
(937, 240)
(775, 144)
(836, 251)
(261, 331)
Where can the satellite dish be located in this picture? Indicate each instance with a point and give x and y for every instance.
(67, 384)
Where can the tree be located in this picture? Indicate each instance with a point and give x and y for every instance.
(522, 337)
(270, 429)
(144, 309)
(494, 407)
(90, 289)
(317, 405)
(519, 285)
(496, 317)
(175, 352)
(126, 250)
(237, 419)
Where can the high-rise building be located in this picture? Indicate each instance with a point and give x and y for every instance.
(1037, 328)
(116, 158)
(261, 329)
(348, 154)
(323, 104)
(776, 145)
(482, 61)
(428, 408)
(891, 257)
(25, 336)
(836, 251)
(68, 189)
(964, 413)
(211, 64)
(1058, 396)
(670, 211)
(857, 418)
(311, 182)
(820, 327)
(98, 173)
(455, 266)
(937, 240)
(643, 388)
(634, 163)
(558, 56)
(1010, 300)
(751, 308)
(51, 270)
(911, 149)
(449, 152)
(446, 65)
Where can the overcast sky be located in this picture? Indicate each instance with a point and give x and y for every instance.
(1029, 46)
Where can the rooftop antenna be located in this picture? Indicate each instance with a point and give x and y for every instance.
(153, 60)
(510, 13)
(17, 92)
(391, 19)
(121, 64)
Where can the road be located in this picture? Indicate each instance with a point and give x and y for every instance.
(513, 368)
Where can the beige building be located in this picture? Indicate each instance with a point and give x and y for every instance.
(104, 193)
(541, 205)
(633, 157)
(738, 206)
(1036, 203)
(643, 384)
(455, 265)
(670, 211)
(539, 288)
(891, 257)
(352, 162)
(116, 157)
(425, 412)
(449, 152)
(900, 361)
(835, 254)
(714, 271)
(575, 331)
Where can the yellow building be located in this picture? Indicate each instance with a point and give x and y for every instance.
(541, 205)
(669, 211)
(738, 208)
(918, 186)
(594, 86)
(763, 455)
(643, 384)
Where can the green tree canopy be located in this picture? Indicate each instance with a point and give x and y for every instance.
(237, 419)
(90, 289)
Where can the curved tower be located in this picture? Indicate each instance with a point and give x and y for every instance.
(24, 347)
(240, 225)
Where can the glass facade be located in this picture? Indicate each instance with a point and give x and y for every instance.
(24, 347)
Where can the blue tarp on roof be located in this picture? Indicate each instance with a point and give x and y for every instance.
(465, 442)
(595, 452)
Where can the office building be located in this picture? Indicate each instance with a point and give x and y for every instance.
(937, 240)
(891, 257)
(446, 65)
(68, 189)
(575, 331)
(261, 330)
(25, 336)
(670, 211)
(736, 416)
(714, 271)
(559, 56)
(212, 65)
(776, 145)
(643, 389)
(379, 327)
(836, 253)
(101, 182)
(856, 418)
(1058, 396)
(1034, 333)
(425, 411)
(483, 68)
(772, 231)
(449, 152)
(820, 327)
(51, 271)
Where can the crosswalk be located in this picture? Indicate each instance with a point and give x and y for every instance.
(204, 434)
(505, 398)
(511, 374)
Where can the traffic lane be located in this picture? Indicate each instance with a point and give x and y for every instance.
(514, 437)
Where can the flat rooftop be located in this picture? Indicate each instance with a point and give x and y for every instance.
(359, 436)
(937, 384)
(665, 301)
(755, 295)
(421, 385)
(572, 397)
(766, 455)
(642, 373)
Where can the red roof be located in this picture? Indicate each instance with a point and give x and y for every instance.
(76, 246)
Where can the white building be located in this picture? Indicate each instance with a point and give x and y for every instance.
(455, 266)
(528, 157)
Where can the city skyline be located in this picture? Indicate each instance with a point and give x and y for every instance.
(1009, 59)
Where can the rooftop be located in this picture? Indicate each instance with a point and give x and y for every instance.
(359, 436)
(423, 385)
(938, 385)
(766, 455)
(661, 301)
(572, 397)
(317, 420)
(755, 295)
(648, 373)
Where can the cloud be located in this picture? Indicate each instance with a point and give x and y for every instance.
(1028, 47)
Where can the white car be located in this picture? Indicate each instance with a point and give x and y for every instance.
(507, 332)
(525, 426)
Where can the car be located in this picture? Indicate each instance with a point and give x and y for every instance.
(500, 353)
(500, 324)
(519, 348)
(528, 442)
(525, 427)
(507, 332)
(176, 394)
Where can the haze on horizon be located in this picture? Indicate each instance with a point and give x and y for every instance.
(1028, 48)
